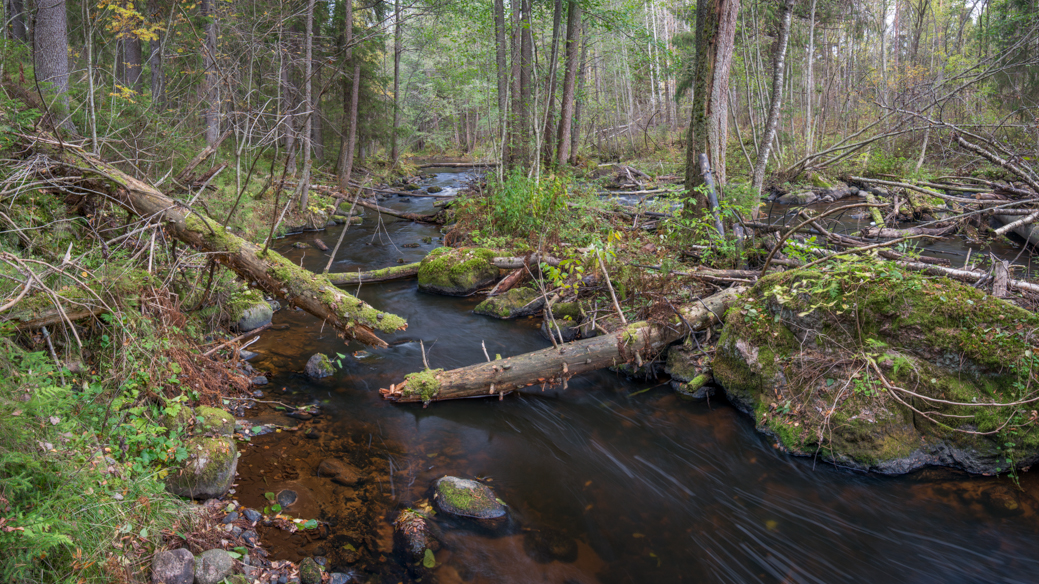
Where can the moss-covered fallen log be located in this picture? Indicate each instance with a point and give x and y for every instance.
(269, 270)
(370, 276)
(550, 366)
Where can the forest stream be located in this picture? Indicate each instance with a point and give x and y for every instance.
(610, 481)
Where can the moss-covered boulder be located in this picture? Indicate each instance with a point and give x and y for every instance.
(567, 322)
(467, 498)
(690, 372)
(457, 272)
(208, 471)
(512, 304)
(213, 421)
(249, 310)
(309, 572)
(319, 366)
(416, 538)
(879, 369)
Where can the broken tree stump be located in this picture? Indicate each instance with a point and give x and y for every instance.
(557, 365)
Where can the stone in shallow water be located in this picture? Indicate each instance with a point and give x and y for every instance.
(467, 498)
(340, 472)
(318, 366)
(547, 545)
(287, 497)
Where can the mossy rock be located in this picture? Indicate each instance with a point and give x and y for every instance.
(180, 421)
(801, 353)
(249, 310)
(567, 322)
(512, 304)
(819, 181)
(213, 421)
(685, 363)
(467, 498)
(457, 272)
(208, 471)
(309, 572)
(319, 366)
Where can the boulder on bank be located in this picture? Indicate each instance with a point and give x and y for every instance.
(249, 310)
(801, 198)
(457, 272)
(567, 322)
(466, 498)
(878, 369)
(319, 366)
(208, 471)
(212, 566)
(690, 372)
(173, 567)
(512, 304)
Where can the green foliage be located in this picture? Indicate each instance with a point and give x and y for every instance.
(80, 470)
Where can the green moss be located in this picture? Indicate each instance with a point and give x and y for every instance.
(456, 271)
(423, 384)
(508, 305)
(456, 497)
(567, 311)
(214, 421)
(213, 233)
(239, 302)
(791, 346)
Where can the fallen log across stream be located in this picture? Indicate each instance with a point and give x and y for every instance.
(270, 271)
(556, 365)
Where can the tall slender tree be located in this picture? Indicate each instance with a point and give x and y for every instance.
(568, 99)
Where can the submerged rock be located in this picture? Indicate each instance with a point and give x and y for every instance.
(339, 471)
(318, 366)
(456, 272)
(208, 471)
(213, 566)
(467, 498)
(416, 538)
(434, 189)
(173, 567)
(818, 359)
(549, 545)
(287, 497)
(512, 304)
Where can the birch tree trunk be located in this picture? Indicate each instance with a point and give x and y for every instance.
(212, 82)
(777, 96)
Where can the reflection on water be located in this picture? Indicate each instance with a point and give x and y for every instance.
(650, 488)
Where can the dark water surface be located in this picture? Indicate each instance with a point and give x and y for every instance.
(652, 488)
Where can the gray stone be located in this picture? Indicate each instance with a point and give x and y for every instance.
(466, 498)
(250, 537)
(341, 578)
(208, 471)
(287, 497)
(230, 517)
(318, 366)
(244, 354)
(173, 567)
(309, 572)
(259, 380)
(213, 566)
(252, 515)
(255, 316)
(802, 198)
(339, 471)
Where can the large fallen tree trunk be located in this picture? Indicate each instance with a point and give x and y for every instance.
(556, 365)
(268, 269)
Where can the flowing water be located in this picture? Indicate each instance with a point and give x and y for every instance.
(651, 488)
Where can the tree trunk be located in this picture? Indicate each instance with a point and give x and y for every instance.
(16, 14)
(556, 365)
(547, 134)
(348, 143)
(575, 129)
(212, 81)
(308, 100)
(271, 272)
(52, 46)
(501, 60)
(810, 83)
(158, 81)
(131, 52)
(776, 103)
(525, 83)
(567, 101)
(288, 108)
(398, 49)
(370, 276)
(708, 128)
